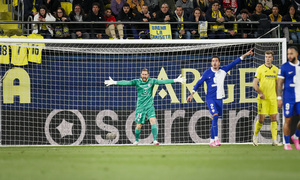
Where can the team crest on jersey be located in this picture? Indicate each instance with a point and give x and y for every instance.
(274, 72)
(149, 85)
(145, 91)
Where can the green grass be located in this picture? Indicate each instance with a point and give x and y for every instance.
(149, 162)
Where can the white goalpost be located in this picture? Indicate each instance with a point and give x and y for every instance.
(53, 90)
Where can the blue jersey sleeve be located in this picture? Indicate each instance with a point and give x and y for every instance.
(231, 65)
(201, 81)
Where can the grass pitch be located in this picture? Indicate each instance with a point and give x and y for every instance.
(149, 162)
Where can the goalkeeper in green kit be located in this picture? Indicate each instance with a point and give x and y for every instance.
(145, 103)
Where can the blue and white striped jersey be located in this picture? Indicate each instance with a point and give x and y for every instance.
(215, 80)
(291, 74)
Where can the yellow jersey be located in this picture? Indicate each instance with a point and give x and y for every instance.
(267, 80)
(4, 52)
(35, 49)
(19, 52)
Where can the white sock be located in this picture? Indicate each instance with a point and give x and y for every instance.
(216, 138)
(295, 137)
(212, 140)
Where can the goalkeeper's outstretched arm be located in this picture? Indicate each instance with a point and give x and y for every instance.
(110, 81)
(180, 79)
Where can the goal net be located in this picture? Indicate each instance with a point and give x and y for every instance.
(53, 91)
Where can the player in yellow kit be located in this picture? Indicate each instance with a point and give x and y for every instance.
(265, 85)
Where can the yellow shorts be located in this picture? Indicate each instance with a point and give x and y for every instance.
(267, 106)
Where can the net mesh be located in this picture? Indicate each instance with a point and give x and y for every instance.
(63, 99)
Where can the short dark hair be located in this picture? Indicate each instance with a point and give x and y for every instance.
(275, 5)
(108, 9)
(228, 8)
(164, 4)
(295, 48)
(260, 4)
(145, 69)
(179, 7)
(244, 11)
(96, 4)
(126, 5)
(216, 57)
(215, 2)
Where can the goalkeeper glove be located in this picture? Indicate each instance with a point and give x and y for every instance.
(180, 79)
(110, 82)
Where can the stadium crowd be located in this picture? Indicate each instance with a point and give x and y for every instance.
(220, 11)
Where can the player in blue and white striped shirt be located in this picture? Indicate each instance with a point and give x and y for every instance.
(289, 76)
(214, 78)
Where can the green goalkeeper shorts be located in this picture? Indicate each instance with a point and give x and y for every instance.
(141, 113)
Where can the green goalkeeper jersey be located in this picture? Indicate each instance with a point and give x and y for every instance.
(144, 90)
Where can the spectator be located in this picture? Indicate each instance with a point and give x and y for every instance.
(267, 6)
(110, 29)
(44, 29)
(136, 6)
(144, 16)
(126, 16)
(170, 3)
(215, 15)
(152, 5)
(181, 32)
(87, 5)
(186, 5)
(61, 30)
(275, 17)
(292, 30)
(97, 30)
(245, 29)
(202, 4)
(197, 16)
(230, 29)
(52, 5)
(257, 16)
(117, 6)
(77, 30)
(164, 15)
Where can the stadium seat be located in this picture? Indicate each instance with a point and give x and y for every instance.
(67, 7)
(6, 15)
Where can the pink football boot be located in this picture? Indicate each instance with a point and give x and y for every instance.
(296, 142)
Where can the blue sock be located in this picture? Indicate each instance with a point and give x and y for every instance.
(297, 132)
(287, 139)
(215, 125)
(212, 135)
